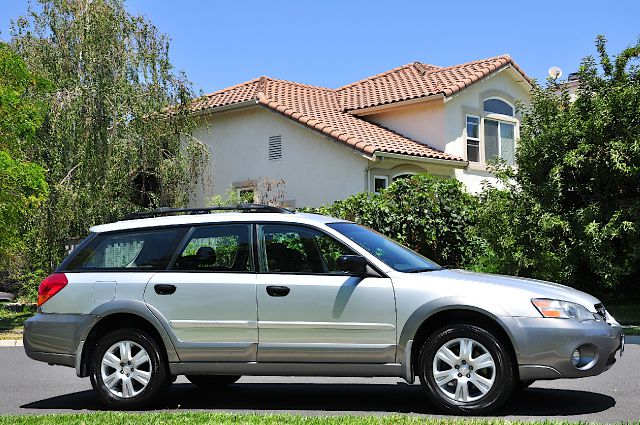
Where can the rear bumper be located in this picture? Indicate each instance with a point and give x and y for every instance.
(55, 338)
(544, 347)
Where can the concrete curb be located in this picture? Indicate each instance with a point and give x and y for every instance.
(632, 339)
(10, 343)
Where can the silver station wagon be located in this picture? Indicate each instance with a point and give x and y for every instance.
(214, 295)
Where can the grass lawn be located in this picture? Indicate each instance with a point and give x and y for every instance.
(249, 419)
(11, 323)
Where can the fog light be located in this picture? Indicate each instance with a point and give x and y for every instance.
(584, 357)
(575, 357)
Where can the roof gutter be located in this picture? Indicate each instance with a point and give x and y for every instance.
(450, 162)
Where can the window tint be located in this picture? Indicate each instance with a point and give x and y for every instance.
(297, 249)
(218, 248)
(141, 250)
(391, 253)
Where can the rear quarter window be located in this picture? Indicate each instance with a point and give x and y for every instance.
(133, 250)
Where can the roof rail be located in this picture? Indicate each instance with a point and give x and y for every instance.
(245, 208)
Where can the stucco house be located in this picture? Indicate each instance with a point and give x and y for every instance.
(327, 144)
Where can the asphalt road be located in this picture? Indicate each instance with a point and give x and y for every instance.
(30, 387)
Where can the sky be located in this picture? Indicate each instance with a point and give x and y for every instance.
(334, 42)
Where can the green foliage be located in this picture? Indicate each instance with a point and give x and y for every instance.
(432, 215)
(22, 182)
(116, 138)
(579, 163)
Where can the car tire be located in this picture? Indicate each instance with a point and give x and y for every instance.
(212, 382)
(446, 369)
(129, 370)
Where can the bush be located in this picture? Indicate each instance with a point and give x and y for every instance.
(432, 215)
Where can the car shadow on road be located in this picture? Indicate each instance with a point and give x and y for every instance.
(307, 398)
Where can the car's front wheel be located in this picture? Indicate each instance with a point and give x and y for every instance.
(466, 370)
(128, 371)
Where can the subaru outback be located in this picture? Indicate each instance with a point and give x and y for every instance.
(214, 295)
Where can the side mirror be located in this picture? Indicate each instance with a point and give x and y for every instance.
(353, 264)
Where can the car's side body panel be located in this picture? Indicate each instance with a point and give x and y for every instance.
(342, 319)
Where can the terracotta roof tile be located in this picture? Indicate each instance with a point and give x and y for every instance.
(325, 110)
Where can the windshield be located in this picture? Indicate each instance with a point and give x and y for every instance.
(391, 253)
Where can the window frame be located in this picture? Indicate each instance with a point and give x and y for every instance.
(483, 116)
(386, 182)
(475, 139)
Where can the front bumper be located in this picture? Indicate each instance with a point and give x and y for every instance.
(544, 346)
(55, 338)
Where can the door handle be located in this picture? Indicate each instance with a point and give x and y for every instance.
(278, 291)
(164, 289)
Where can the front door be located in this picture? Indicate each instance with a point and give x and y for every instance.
(208, 297)
(311, 312)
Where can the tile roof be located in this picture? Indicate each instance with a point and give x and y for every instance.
(326, 110)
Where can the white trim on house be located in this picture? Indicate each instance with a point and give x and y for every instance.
(451, 162)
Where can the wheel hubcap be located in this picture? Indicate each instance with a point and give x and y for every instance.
(464, 370)
(126, 369)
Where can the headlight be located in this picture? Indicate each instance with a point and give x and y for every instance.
(562, 309)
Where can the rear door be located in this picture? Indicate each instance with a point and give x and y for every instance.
(208, 296)
(311, 312)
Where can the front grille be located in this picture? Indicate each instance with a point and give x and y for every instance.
(601, 311)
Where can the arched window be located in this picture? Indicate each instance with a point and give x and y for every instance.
(492, 133)
(498, 106)
(403, 176)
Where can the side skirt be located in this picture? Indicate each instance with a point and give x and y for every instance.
(288, 369)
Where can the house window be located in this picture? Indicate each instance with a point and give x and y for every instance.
(380, 183)
(492, 133)
(499, 140)
(275, 148)
(403, 176)
(247, 194)
(473, 138)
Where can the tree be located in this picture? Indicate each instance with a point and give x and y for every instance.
(22, 182)
(117, 137)
(579, 163)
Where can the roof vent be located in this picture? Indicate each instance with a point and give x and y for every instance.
(275, 148)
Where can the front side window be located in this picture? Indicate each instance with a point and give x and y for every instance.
(299, 249)
(135, 250)
(389, 252)
(217, 248)
(499, 140)
(380, 183)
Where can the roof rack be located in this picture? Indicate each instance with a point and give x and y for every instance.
(245, 208)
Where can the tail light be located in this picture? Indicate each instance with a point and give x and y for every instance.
(51, 286)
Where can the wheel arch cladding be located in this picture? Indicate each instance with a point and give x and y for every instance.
(120, 316)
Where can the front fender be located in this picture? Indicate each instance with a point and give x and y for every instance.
(428, 310)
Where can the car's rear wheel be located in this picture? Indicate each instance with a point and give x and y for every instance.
(212, 382)
(466, 370)
(128, 370)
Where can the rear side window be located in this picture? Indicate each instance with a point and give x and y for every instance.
(217, 248)
(136, 250)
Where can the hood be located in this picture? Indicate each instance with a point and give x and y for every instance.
(501, 285)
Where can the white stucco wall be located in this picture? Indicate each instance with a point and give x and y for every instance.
(422, 122)
(316, 170)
